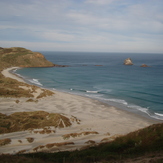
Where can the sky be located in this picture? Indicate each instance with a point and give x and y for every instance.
(83, 25)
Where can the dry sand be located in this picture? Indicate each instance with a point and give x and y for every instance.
(108, 121)
(6, 73)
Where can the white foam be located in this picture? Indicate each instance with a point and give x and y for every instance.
(159, 114)
(145, 110)
(118, 101)
(92, 91)
(96, 96)
(14, 70)
(35, 81)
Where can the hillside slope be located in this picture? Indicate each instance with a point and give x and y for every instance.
(21, 57)
(142, 146)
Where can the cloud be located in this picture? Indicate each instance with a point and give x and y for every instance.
(100, 2)
(58, 36)
(100, 25)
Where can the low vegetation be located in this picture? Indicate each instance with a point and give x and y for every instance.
(30, 140)
(74, 135)
(51, 145)
(20, 57)
(5, 141)
(145, 145)
(12, 88)
(45, 93)
(21, 121)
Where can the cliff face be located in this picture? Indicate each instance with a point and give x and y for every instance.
(21, 57)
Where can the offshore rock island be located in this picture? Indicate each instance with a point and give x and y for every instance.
(33, 119)
(144, 65)
(128, 61)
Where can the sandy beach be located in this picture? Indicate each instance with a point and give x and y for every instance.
(6, 73)
(100, 121)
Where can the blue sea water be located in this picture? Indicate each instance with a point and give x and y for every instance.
(132, 88)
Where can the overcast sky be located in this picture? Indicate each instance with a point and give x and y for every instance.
(83, 25)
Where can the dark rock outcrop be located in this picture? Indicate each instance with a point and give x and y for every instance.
(128, 61)
(144, 65)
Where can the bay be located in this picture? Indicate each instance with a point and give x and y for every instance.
(103, 76)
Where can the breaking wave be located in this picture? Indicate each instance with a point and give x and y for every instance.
(35, 81)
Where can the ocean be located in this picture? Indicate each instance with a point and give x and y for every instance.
(103, 76)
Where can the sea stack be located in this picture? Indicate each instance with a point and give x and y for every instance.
(144, 65)
(128, 61)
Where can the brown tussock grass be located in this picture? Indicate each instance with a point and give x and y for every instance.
(73, 135)
(21, 121)
(90, 142)
(59, 144)
(5, 141)
(31, 100)
(111, 138)
(22, 151)
(30, 140)
(19, 141)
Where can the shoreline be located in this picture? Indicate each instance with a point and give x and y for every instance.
(7, 73)
(122, 107)
(95, 116)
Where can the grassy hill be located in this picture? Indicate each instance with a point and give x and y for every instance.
(142, 146)
(19, 57)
